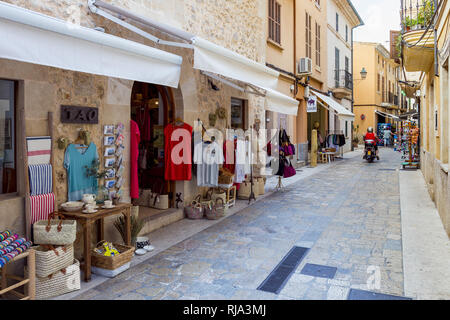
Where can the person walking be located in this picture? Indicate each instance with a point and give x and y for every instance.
(387, 136)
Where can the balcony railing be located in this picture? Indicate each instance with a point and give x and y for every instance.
(343, 79)
(417, 14)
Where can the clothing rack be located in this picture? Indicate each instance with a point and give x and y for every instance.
(333, 132)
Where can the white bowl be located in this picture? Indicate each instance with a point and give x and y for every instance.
(72, 206)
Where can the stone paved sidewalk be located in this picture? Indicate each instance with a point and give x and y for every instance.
(348, 214)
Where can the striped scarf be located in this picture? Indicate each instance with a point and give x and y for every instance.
(8, 241)
(9, 256)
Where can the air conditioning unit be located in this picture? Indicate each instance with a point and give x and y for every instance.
(304, 66)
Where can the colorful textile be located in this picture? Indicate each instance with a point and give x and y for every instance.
(13, 246)
(40, 176)
(76, 161)
(39, 150)
(20, 249)
(5, 234)
(135, 138)
(41, 206)
(8, 241)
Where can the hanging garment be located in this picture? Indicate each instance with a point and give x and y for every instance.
(76, 161)
(229, 148)
(178, 152)
(143, 122)
(239, 176)
(135, 138)
(248, 156)
(208, 157)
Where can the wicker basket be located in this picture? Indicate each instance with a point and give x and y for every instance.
(61, 282)
(194, 211)
(49, 261)
(54, 232)
(113, 262)
(217, 211)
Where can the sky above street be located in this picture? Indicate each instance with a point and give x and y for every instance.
(379, 16)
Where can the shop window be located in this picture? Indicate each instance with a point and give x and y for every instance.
(8, 182)
(275, 21)
(238, 114)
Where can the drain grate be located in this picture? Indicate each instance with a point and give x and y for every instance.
(316, 270)
(356, 294)
(280, 275)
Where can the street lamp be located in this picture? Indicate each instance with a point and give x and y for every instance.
(363, 73)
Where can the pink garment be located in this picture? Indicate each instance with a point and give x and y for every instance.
(135, 138)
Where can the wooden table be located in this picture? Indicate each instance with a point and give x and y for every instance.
(88, 219)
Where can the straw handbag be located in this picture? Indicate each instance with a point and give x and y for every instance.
(60, 282)
(159, 201)
(194, 211)
(261, 182)
(112, 262)
(217, 210)
(245, 190)
(50, 260)
(144, 197)
(62, 232)
(219, 195)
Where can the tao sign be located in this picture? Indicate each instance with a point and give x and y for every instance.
(82, 115)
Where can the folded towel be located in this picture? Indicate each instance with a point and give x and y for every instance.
(8, 241)
(41, 206)
(13, 246)
(40, 176)
(20, 249)
(5, 234)
(39, 150)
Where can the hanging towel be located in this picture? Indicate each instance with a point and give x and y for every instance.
(41, 206)
(40, 179)
(20, 249)
(39, 150)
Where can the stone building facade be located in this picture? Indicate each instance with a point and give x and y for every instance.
(236, 25)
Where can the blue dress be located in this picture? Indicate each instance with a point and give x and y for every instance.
(76, 161)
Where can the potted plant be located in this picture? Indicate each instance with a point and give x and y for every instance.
(409, 23)
(136, 226)
(94, 170)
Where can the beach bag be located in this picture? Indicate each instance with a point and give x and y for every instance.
(52, 231)
(261, 182)
(51, 259)
(159, 201)
(144, 198)
(216, 211)
(220, 194)
(194, 210)
(245, 190)
(61, 282)
(289, 170)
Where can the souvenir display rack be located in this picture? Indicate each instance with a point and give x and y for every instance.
(410, 139)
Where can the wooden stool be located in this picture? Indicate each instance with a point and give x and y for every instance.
(231, 196)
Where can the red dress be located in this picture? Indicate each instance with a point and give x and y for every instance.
(177, 152)
(135, 138)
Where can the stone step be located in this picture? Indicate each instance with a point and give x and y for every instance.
(155, 219)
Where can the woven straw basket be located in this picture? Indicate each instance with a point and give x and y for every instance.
(113, 262)
(61, 282)
(50, 261)
(54, 232)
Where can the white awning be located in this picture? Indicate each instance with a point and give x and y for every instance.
(32, 37)
(342, 112)
(213, 58)
(387, 115)
(221, 63)
(278, 102)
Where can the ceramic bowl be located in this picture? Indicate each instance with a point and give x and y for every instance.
(72, 206)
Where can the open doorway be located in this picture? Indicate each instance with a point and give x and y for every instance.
(152, 108)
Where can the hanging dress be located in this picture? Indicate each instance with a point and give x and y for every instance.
(135, 138)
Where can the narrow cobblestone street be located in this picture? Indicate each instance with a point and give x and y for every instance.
(348, 215)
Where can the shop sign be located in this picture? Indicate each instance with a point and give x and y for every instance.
(76, 114)
(311, 106)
